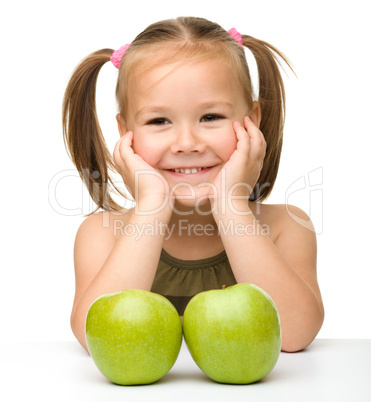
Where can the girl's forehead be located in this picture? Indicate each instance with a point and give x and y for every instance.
(184, 87)
(146, 69)
(144, 58)
(160, 71)
(200, 73)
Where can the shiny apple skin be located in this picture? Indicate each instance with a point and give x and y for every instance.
(133, 336)
(233, 334)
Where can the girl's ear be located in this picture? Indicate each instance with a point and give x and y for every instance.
(121, 125)
(255, 115)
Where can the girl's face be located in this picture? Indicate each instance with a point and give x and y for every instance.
(181, 116)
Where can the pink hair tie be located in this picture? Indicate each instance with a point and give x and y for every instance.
(118, 54)
(236, 35)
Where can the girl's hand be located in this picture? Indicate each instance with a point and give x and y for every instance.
(145, 184)
(239, 175)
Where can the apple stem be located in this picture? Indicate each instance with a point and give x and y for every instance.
(223, 287)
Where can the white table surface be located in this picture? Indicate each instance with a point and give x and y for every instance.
(328, 370)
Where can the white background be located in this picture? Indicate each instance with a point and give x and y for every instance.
(326, 141)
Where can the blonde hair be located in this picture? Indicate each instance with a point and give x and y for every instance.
(169, 41)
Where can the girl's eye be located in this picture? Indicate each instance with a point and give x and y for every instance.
(211, 117)
(159, 121)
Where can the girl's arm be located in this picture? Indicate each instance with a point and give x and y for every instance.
(108, 262)
(285, 269)
(105, 263)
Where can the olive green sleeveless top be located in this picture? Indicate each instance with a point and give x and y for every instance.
(179, 280)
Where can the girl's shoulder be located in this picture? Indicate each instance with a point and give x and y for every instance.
(103, 225)
(280, 217)
(277, 211)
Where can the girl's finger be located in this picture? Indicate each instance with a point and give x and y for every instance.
(125, 144)
(258, 143)
(116, 151)
(122, 150)
(127, 138)
(243, 137)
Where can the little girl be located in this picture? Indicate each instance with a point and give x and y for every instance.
(199, 155)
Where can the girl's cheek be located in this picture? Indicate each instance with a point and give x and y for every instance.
(147, 152)
(228, 146)
(138, 145)
(147, 156)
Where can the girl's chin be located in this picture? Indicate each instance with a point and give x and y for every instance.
(185, 202)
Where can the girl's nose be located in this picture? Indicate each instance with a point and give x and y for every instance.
(187, 140)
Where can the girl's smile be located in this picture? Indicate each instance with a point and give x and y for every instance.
(192, 173)
(182, 115)
(190, 170)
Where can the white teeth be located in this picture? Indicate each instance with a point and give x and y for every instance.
(187, 171)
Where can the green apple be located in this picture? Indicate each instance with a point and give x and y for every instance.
(233, 334)
(133, 336)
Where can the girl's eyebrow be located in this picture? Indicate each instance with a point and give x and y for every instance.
(217, 105)
(150, 109)
(226, 106)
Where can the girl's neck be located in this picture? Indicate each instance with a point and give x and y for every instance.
(200, 216)
(192, 233)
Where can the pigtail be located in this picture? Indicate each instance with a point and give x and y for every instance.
(82, 134)
(272, 102)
